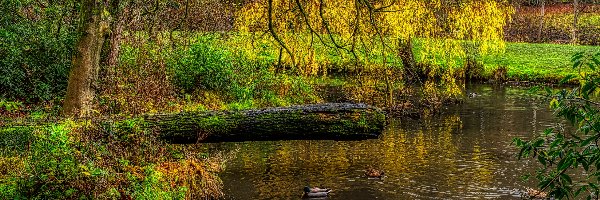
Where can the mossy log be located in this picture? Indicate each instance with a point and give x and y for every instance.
(331, 121)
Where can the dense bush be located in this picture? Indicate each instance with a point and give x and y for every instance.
(140, 82)
(51, 167)
(243, 82)
(36, 45)
(204, 66)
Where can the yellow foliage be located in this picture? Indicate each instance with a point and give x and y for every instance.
(369, 30)
(198, 176)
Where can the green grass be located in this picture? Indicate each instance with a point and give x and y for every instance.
(536, 62)
(524, 61)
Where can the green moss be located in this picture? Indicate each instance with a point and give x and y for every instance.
(271, 125)
(213, 121)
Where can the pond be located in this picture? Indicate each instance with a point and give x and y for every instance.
(463, 153)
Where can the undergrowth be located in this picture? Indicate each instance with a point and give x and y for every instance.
(102, 160)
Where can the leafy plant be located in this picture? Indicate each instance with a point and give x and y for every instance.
(565, 154)
(35, 55)
(243, 82)
(10, 106)
(50, 167)
(204, 66)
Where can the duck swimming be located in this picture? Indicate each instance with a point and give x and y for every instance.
(374, 173)
(315, 192)
(473, 95)
(536, 194)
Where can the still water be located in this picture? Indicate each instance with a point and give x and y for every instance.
(464, 153)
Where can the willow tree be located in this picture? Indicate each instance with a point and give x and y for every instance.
(382, 28)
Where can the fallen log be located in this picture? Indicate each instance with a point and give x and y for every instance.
(330, 121)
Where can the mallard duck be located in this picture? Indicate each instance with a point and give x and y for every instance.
(374, 173)
(315, 192)
(536, 194)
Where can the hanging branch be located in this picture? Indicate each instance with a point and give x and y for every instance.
(326, 26)
(274, 34)
(307, 22)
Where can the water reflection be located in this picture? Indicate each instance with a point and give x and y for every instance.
(463, 153)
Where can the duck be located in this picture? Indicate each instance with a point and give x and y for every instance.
(315, 192)
(536, 194)
(374, 173)
(473, 95)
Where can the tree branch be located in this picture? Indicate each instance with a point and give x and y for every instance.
(274, 34)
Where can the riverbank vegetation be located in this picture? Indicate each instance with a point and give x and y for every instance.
(102, 160)
(76, 77)
(563, 152)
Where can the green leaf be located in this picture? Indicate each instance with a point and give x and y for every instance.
(542, 160)
(586, 165)
(593, 185)
(548, 131)
(577, 56)
(588, 141)
(538, 143)
(567, 78)
(591, 66)
(564, 164)
(548, 91)
(581, 189)
(533, 89)
(596, 61)
(566, 178)
(576, 64)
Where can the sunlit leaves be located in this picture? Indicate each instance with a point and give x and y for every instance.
(370, 29)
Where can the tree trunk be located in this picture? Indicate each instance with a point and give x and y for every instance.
(575, 18)
(115, 41)
(542, 16)
(333, 121)
(86, 61)
(408, 59)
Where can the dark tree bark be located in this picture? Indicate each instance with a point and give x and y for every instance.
(115, 36)
(86, 61)
(333, 121)
(408, 59)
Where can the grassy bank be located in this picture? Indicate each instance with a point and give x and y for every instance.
(536, 62)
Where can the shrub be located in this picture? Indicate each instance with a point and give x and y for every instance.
(204, 66)
(50, 167)
(140, 83)
(15, 139)
(113, 160)
(474, 70)
(35, 55)
(245, 83)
